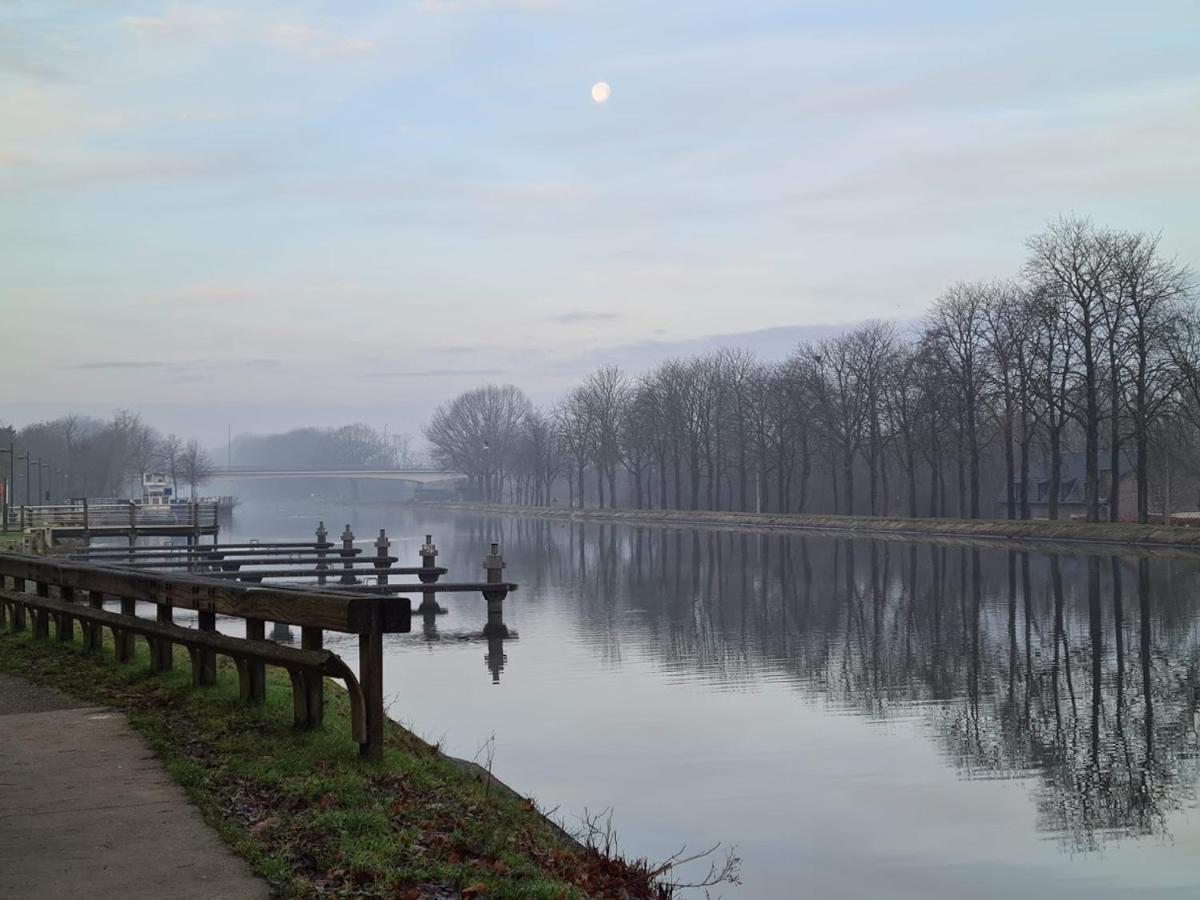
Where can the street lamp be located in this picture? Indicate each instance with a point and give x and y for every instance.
(25, 456)
(40, 466)
(8, 489)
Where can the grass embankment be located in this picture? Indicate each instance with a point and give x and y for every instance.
(1008, 529)
(11, 540)
(308, 814)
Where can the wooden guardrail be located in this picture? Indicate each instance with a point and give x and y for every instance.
(314, 612)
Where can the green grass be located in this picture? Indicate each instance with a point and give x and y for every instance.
(11, 540)
(311, 816)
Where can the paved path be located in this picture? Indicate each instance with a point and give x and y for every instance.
(87, 811)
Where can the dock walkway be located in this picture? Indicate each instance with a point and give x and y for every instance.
(87, 810)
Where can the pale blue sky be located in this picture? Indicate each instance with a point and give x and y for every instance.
(262, 213)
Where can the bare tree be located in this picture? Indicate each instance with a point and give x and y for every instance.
(196, 465)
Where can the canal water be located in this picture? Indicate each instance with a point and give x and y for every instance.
(859, 718)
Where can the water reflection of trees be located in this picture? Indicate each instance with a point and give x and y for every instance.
(1081, 672)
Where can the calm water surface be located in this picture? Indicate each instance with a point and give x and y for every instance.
(861, 718)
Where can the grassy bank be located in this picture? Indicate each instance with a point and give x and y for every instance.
(308, 814)
(992, 529)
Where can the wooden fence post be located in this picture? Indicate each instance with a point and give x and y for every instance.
(370, 677)
(87, 532)
(124, 640)
(313, 639)
(66, 625)
(255, 688)
(204, 661)
(18, 613)
(162, 653)
(93, 634)
(41, 618)
(132, 525)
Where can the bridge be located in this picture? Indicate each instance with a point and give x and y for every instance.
(413, 475)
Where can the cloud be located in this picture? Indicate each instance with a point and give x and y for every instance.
(455, 6)
(435, 373)
(579, 316)
(315, 42)
(123, 364)
(180, 20)
(174, 365)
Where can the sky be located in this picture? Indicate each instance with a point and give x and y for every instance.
(259, 215)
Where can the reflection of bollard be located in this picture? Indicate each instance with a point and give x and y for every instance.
(381, 557)
(493, 563)
(496, 657)
(429, 552)
(322, 540)
(348, 556)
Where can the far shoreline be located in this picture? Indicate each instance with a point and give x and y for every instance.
(1088, 537)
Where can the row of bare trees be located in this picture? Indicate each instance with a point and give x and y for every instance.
(80, 456)
(1095, 346)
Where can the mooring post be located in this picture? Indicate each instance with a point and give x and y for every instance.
(132, 524)
(22, 516)
(322, 540)
(429, 554)
(87, 533)
(195, 523)
(382, 544)
(348, 556)
(493, 563)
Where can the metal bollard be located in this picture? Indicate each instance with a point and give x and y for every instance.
(382, 544)
(348, 556)
(429, 554)
(322, 539)
(493, 563)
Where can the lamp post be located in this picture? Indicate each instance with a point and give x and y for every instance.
(25, 456)
(8, 489)
(40, 466)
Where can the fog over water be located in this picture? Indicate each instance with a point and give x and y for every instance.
(861, 718)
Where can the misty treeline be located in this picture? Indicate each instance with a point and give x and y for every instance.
(349, 446)
(81, 456)
(1093, 346)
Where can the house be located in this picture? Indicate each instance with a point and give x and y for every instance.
(156, 489)
(1072, 488)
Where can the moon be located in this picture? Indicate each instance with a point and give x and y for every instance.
(601, 91)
